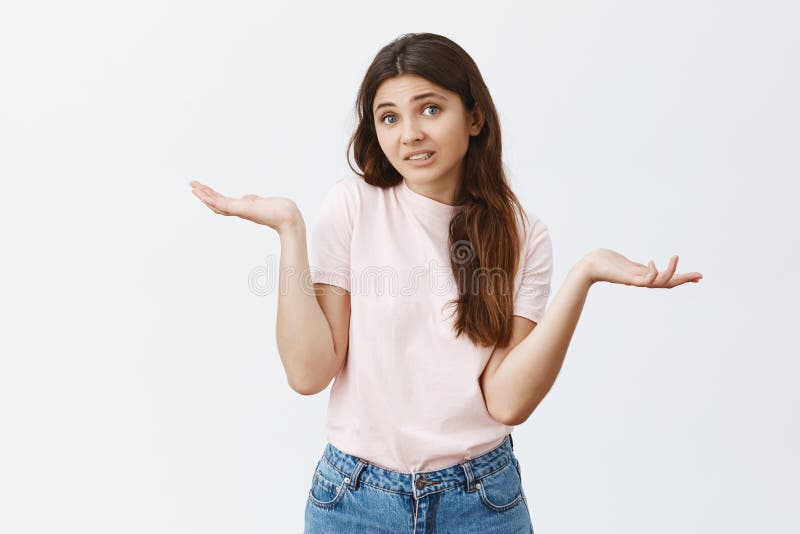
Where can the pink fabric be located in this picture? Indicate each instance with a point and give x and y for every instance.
(409, 398)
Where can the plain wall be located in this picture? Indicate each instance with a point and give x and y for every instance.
(140, 385)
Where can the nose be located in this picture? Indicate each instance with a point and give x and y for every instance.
(411, 132)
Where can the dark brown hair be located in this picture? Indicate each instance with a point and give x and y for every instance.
(484, 240)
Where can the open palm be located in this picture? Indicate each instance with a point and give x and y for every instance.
(275, 212)
(610, 266)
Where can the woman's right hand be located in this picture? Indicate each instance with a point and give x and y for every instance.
(278, 213)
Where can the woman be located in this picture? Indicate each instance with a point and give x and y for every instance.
(431, 375)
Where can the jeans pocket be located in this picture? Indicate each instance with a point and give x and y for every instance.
(328, 485)
(501, 490)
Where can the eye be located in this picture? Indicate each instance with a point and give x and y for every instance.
(430, 106)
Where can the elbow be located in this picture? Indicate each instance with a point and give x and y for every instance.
(514, 421)
(510, 420)
(309, 384)
(304, 375)
(505, 417)
(307, 387)
(513, 417)
(302, 389)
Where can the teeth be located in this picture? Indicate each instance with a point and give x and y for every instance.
(422, 156)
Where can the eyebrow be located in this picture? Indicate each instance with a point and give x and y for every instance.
(420, 96)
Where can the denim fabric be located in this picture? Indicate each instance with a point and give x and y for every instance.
(484, 494)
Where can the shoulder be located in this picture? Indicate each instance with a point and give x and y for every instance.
(354, 190)
(344, 187)
(531, 227)
(343, 196)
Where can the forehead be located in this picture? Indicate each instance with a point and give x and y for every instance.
(401, 88)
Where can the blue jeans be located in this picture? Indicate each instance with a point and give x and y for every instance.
(484, 494)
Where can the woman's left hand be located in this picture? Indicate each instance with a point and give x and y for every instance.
(605, 265)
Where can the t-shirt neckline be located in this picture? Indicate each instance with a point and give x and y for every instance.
(426, 204)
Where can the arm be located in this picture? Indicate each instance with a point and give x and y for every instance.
(494, 396)
(525, 375)
(527, 372)
(312, 327)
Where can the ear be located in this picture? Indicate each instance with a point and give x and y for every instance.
(476, 121)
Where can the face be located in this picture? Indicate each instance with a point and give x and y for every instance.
(414, 115)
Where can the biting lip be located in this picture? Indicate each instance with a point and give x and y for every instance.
(431, 152)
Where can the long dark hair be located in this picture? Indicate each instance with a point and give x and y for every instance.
(484, 240)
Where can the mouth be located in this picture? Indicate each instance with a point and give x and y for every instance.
(421, 159)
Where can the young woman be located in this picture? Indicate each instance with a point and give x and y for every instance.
(428, 306)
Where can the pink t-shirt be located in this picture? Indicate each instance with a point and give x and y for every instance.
(408, 397)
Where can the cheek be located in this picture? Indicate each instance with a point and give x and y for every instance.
(385, 142)
(383, 148)
(452, 130)
(457, 138)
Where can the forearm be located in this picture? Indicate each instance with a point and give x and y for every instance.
(529, 370)
(304, 337)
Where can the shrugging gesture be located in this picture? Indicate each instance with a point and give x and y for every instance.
(608, 266)
(515, 387)
(311, 325)
(275, 212)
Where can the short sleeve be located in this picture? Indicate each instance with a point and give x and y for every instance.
(536, 271)
(331, 236)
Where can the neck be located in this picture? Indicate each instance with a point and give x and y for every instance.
(442, 189)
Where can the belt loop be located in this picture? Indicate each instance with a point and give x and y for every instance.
(353, 484)
(468, 471)
(511, 439)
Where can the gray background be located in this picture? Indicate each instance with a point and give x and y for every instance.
(140, 386)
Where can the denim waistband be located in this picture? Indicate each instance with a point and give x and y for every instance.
(356, 470)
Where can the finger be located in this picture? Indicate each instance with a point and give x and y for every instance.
(197, 185)
(679, 279)
(215, 210)
(694, 277)
(666, 275)
(232, 206)
(202, 195)
(199, 194)
(213, 193)
(211, 207)
(219, 205)
(652, 273)
(208, 190)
